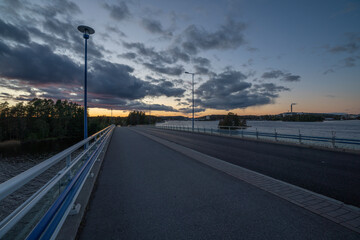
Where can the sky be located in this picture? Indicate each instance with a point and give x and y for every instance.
(248, 56)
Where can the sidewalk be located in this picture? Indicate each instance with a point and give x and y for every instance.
(148, 191)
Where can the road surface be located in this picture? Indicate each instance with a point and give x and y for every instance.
(148, 191)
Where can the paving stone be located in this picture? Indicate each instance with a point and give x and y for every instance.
(313, 201)
(304, 199)
(349, 216)
(338, 212)
(292, 194)
(320, 205)
(354, 223)
(327, 209)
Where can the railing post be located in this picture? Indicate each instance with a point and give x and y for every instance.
(257, 134)
(198, 129)
(229, 131)
(300, 137)
(333, 138)
(275, 135)
(68, 162)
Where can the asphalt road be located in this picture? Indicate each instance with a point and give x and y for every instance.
(148, 191)
(333, 174)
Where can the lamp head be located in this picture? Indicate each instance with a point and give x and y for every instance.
(86, 30)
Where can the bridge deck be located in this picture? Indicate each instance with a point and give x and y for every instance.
(148, 191)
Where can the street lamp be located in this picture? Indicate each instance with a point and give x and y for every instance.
(193, 102)
(87, 31)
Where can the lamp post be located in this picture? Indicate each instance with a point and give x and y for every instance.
(87, 31)
(193, 101)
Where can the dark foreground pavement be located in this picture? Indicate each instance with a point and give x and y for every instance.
(333, 174)
(147, 191)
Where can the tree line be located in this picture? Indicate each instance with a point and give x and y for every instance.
(44, 119)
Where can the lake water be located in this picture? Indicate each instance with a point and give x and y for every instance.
(15, 159)
(349, 129)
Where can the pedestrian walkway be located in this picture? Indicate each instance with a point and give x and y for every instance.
(149, 191)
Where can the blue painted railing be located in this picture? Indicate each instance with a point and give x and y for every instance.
(54, 200)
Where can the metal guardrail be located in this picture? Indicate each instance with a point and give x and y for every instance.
(229, 130)
(42, 215)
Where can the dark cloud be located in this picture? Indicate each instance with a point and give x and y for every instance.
(351, 61)
(53, 26)
(272, 74)
(173, 71)
(201, 70)
(201, 61)
(164, 87)
(10, 32)
(352, 45)
(115, 30)
(114, 79)
(159, 61)
(57, 75)
(223, 84)
(38, 64)
(350, 48)
(121, 104)
(269, 89)
(330, 70)
(128, 55)
(54, 8)
(287, 77)
(229, 90)
(161, 107)
(154, 26)
(189, 110)
(249, 63)
(169, 56)
(176, 55)
(119, 11)
(229, 36)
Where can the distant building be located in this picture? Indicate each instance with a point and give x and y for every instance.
(291, 114)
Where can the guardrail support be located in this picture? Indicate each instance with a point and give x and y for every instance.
(333, 139)
(300, 137)
(275, 135)
(257, 134)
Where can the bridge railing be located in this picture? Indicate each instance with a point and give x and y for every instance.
(41, 215)
(332, 141)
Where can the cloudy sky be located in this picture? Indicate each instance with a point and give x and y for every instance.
(250, 57)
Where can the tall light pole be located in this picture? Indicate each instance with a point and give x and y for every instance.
(87, 31)
(193, 101)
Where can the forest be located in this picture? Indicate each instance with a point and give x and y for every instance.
(41, 119)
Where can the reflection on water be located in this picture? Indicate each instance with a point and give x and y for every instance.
(15, 159)
(35, 148)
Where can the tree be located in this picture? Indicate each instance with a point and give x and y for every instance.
(135, 118)
(232, 120)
